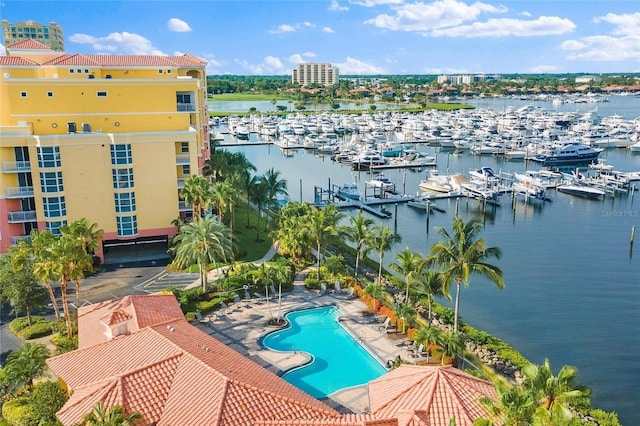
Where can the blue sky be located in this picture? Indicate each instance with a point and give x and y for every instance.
(268, 37)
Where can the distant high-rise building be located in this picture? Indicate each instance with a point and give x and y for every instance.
(312, 73)
(50, 35)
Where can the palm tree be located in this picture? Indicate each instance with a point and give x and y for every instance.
(27, 363)
(452, 344)
(553, 393)
(406, 264)
(196, 192)
(202, 242)
(323, 225)
(113, 416)
(426, 336)
(70, 261)
(224, 195)
(260, 197)
(88, 236)
(514, 406)
(376, 291)
(275, 185)
(281, 272)
(427, 284)
(381, 240)
(462, 254)
(404, 312)
(38, 248)
(358, 232)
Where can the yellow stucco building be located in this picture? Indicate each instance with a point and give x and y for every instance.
(109, 138)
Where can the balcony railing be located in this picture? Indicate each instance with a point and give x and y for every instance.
(16, 166)
(181, 183)
(183, 207)
(182, 160)
(16, 238)
(19, 192)
(22, 216)
(182, 107)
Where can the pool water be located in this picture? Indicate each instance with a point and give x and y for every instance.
(339, 360)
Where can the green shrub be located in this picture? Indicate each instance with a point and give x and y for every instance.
(45, 400)
(64, 343)
(604, 418)
(39, 329)
(17, 411)
(206, 306)
(19, 324)
(190, 316)
(312, 283)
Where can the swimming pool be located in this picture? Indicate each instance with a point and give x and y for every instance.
(339, 361)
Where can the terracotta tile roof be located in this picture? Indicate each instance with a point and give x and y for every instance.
(429, 395)
(176, 374)
(16, 60)
(152, 309)
(116, 317)
(126, 60)
(29, 43)
(345, 420)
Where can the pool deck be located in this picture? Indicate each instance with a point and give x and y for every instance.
(241, 327)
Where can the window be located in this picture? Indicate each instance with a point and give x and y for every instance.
(79, 71)
(86, 71)
(186, 170)
(159, 71)
(49, 94)
(102, 94)
(54, 207)
(71, 71)
(122, 178)
(121, 154)
(23, 94)
(49, 157)
(51, 182)
(125, 202)
(168, 71)
(184, 146)
(183, 98)
(127, 225)
(54, 227)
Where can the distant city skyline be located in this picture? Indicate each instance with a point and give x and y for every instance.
(360, 37)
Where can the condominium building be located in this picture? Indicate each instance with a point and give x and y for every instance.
(49, 35)
(311, 73)
(110, 138)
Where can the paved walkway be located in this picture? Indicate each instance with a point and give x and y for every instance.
(242, 326)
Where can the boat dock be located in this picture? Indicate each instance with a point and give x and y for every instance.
(373, 206)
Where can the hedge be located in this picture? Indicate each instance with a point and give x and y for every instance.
(21, 323)
(39, 329)
(17, 411)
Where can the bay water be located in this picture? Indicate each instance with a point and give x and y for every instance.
(572, 281)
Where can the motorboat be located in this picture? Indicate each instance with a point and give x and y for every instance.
(435, 183)
(484, 176)
(349, 190)
(581, 190)
(567, 154)
(381, 182)
(367, 160)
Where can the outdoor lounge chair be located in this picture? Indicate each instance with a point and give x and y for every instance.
(385, 324)
(272, 289)
(261, 296)
(238, 301)
(225, 307)
(417, 353)
(349, 293)
(323, 288)
(336, 287)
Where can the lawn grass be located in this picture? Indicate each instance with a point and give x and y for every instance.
(244, 238)
(246, 97)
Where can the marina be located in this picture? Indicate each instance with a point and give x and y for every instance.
(568, 264)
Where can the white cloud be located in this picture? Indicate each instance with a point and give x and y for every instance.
(178, 25)
(269, 66)
(122, 43)
(328, 30)
(525, 13)
(3, 52)
(627, 24)
(428, 17)
(543, 69)
(336, 6)
(291, 28)
(604, 48)
(544, 25)
(372, 3)
(356, 66)
(297, 58)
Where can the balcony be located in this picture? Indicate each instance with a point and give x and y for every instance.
(19, 192)
(183, 107)
(182, 160)
(181, 183)
(22, 216)
(183, 207)
(16, 166)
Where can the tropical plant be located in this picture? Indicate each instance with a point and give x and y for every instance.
(452, 344)
(426, 336)
(260, 197)
(553, 393)
(292, 233)
(196, 192)
(202, 242)
(358, 232)
(425, 285)
(323, 225)
(462, 254)
(112, 416)
(376, 292)
(406, 264)
(26, 364)
(19, 287)
(405, 313)
(275, 186)
(513, 406)
(46, 399)
(382, 239)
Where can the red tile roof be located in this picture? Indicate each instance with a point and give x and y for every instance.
(116, 317)
(29, 43)
(126, 60)
(17, 61)
(175, 374)
(424, 395)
